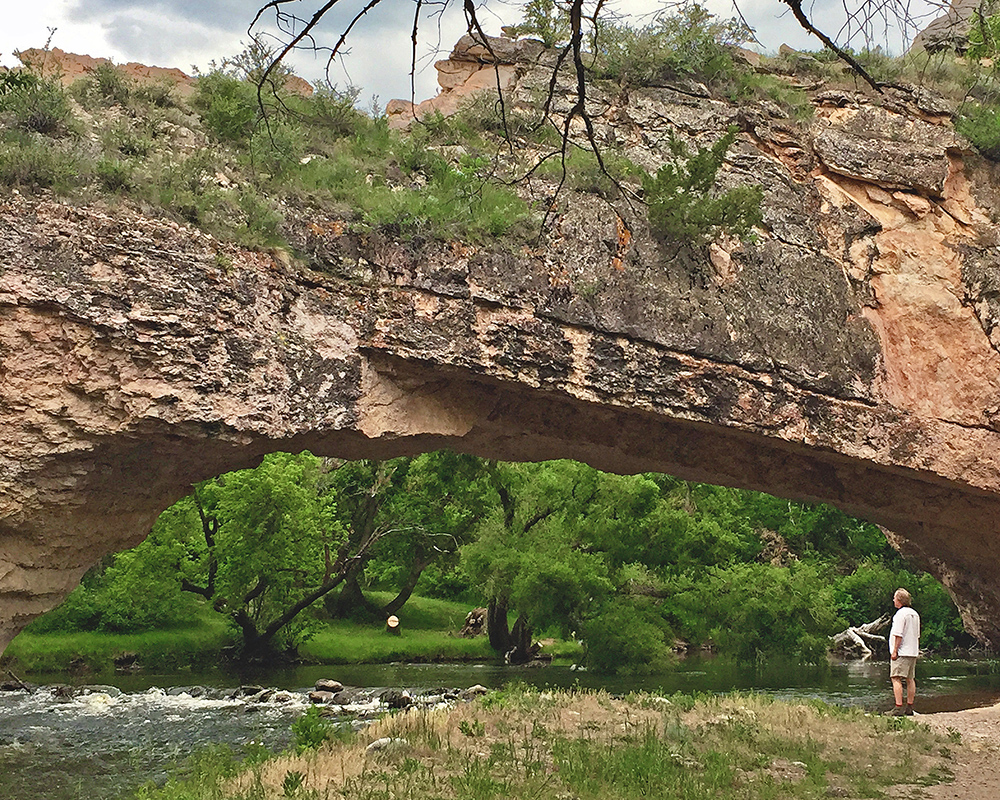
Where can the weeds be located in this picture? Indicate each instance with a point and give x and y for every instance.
(36, 104)
(219, 161)
(980, 124)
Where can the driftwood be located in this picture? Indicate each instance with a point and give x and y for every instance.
(854, 642)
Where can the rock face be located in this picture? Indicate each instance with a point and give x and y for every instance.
(472, 69)
(850, 355)
(950, 31)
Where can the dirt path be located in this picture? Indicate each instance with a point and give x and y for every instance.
(975, 758)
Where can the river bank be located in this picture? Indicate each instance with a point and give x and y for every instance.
(64, 743)
(527, 743)
(429, 633)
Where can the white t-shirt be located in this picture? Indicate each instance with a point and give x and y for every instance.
(906, 623)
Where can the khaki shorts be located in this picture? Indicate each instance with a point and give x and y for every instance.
(903, 667)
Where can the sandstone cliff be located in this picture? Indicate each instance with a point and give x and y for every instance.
(850, 355)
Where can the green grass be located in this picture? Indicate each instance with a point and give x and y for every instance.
(214, 162)
(428, 632)
(350, 643)
(197, 645)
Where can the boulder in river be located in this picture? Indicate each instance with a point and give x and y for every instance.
(396, 698)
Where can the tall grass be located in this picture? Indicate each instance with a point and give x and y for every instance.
(590, 746)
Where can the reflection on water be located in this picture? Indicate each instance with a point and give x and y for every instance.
(103, 741)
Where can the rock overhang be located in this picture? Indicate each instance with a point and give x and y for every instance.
(849, 355)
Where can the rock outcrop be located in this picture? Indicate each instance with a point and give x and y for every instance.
(950, 31)
(850, 355)
(70, 67)
(470, 70)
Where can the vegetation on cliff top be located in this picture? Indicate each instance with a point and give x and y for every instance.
(216, 162)
(246, 166)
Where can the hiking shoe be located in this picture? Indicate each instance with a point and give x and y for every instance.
(897, 712)
(909, 710)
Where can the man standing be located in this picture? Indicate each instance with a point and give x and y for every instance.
(904, 646)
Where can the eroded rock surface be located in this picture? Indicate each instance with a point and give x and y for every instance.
(849, 355)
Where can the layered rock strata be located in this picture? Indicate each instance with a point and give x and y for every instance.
(849, 355)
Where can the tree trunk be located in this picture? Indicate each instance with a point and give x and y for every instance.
(521, 650)
(496, 626)
(411, 583)
(352, 600)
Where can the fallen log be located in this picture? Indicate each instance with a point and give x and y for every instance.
(854, 641)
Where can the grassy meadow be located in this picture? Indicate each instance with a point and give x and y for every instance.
(429, 632)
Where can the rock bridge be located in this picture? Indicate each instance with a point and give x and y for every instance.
(849, 355)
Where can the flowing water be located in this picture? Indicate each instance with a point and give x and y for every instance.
(100, 742)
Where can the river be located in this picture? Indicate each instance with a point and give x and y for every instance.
(100, 742)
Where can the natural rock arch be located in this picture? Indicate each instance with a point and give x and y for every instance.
(850, 355)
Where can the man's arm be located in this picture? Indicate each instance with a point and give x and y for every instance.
(896, 642)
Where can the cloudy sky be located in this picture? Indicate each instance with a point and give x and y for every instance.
(183, 33)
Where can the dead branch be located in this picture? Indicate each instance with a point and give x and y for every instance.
(855, 641)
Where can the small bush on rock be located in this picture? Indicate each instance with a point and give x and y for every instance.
(681, 201)
(35, 104)
(980, 124)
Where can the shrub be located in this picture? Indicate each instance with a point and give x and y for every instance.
(106, 84)
(980, 124)
(752, 610)
(160, 94)
(628, 636)
(36, 104)
(333, 111)
(690, 42)
(680, 196)
(114, 174)
(792, 99)
(31, 160)
(310, 730)
(545, 20)
(128, 139)
(228, 107)
(984, 36)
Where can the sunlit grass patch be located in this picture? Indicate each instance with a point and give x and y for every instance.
(350, 643)
(195, 645)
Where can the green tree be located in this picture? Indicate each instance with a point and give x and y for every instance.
(546, 20)
(263, 546)
(537, 552)
(753, 610)
(682, 202)
(415, 511)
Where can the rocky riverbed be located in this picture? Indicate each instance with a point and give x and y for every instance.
(63, 742)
